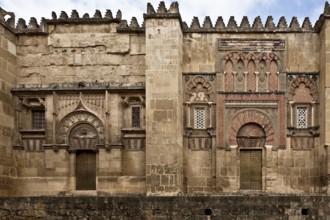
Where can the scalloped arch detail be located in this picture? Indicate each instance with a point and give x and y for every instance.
(308, 83)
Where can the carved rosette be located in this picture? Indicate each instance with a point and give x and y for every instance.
(80, 125)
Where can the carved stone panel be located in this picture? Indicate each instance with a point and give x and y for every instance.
(83, 137)
(199, 88)
(80, 121)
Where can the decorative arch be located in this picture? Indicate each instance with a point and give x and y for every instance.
(308, 83)
(129, 99)
(251, 135)
(257, 57)
(199, 89)
(81, 121)
(251, 116)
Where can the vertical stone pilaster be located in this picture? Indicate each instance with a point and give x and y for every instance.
(164, 137)
(8, 79)
(324, 112)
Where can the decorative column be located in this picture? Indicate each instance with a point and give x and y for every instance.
(291, 113)
(257, 81)
(224, 81)
(245, 81)
(234, 79)
(312, 113)
(267, 81)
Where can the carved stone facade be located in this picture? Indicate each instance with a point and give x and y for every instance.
(93, 105)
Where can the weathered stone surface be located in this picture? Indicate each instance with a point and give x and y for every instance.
(165, 108)
(193, 207)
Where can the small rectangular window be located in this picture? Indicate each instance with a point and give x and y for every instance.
(199, 117)
(38, 119)
(136, 116)
(302, 116)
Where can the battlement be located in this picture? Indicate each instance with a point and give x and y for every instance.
(163, 12)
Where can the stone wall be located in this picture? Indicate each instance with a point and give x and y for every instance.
(195, 88)
(324, 106)
(256, 207)
(74, 53)
(8, 80)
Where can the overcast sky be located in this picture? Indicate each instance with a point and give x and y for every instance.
(188, 8)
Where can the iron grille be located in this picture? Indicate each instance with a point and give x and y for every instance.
(136, 116)
(38, 119)
(199, 117)
(301, 117)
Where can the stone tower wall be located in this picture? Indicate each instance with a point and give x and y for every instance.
(8, 80)
(164, 101)
(324, 105)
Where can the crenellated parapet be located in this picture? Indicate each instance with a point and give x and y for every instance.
(162, 12)
(132, 27)
(245, 26)
(64, 18)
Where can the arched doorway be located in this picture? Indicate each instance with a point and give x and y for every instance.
(83, 139)
(251, 139)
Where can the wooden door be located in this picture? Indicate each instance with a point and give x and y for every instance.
(251, 169)
(86, 170)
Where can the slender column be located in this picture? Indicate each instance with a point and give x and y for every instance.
(278, 81)
(54, 117)
(267, 81)
(234, 79)
(257, 81)
(312, 113)
(224, 81)
(291, 113)
(211, 121)
(188, 115)
(245, 81)
(107, 114)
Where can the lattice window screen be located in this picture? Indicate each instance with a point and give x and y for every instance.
(38, 119)
(136, 116)
(199, 117)
(301, 117)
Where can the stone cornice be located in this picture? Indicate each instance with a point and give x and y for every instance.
(80, 86)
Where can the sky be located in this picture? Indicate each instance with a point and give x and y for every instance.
(188, 8)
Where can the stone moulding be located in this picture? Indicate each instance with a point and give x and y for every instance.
(247, 44)
(76, 87)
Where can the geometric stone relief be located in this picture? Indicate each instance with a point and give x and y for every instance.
(96, 100)
(67, 100)
(93, 100)
(199, 88)
(86, 119)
